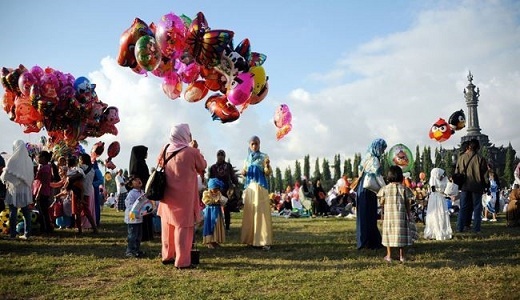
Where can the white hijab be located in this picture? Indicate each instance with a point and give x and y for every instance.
(19, 168)
(438, 180)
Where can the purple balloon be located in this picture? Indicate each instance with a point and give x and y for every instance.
(25, 82)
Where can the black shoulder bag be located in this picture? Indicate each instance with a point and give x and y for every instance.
(156, 184)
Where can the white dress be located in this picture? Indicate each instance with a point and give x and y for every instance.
(438, 225)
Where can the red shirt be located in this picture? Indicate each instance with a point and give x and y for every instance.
(43, 181)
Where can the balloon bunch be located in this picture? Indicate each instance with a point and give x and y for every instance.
(181, 50)
(282, 120)
(441, 130)
(67, 107)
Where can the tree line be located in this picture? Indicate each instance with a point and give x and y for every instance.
(330, 172)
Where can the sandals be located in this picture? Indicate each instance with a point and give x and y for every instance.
(388, 259)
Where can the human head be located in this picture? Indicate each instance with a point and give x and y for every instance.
(474, 145)
(437, 176)
(136, 182)
(180, 137)
(215, 184)
(395, 174)
(120, 172)
(139, 152)
(221, 156)
(254, 144)
(44, 157)
(84, 158)
(72, 161)
(377, 148)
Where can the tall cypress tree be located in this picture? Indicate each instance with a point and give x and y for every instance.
(306, 166)
(297, 170)
(337, 167)
(278, 180)
(317, 173)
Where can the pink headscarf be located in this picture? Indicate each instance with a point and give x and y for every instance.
(180, 137)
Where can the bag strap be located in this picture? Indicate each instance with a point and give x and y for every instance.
(466, 166)
(165, 160)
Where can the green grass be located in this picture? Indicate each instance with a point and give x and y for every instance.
(310, 259)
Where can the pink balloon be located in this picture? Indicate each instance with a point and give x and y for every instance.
(170, 35)
(37, 71)
(172, 86)
(49, 85)
(187, 72)
(25, 82)
(241, 88)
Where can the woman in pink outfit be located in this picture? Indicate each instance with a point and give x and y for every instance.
(179, 209)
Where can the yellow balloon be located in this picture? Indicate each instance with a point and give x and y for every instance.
(259, 78)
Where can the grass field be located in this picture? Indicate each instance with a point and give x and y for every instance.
(310, 259)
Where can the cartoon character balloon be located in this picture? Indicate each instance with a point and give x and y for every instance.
(400, 155)
(113, 151)
(282, 120)
(221, 109)
(440, 131)
(457, 120)
(241, 89)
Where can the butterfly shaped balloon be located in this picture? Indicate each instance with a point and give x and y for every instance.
(205, 45)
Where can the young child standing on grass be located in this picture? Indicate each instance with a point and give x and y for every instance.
(134, 221)
(395, 199)
(214, 232)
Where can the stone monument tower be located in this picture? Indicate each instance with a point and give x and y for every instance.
(471, 95)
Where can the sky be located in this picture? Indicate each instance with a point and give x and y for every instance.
(350, 71)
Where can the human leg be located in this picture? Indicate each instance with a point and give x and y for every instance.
(45, 219)
(183, 241)
(131, 249)
(27, 221)
(13, 216)
(477, 211)
(167, 241)
(463, 212)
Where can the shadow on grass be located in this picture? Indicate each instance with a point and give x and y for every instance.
(305, 244)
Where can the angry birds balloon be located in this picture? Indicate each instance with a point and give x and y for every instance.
(400, 155)
(457, 120)
(282, 120)
(440, 131)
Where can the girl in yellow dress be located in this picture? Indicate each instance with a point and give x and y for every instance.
(214, 232)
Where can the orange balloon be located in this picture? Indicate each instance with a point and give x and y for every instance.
(196, 91)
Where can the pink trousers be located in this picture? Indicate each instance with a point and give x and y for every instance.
(176, 244)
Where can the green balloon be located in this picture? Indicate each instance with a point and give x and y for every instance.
(400, 155)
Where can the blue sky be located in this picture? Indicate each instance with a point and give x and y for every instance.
(350, 71)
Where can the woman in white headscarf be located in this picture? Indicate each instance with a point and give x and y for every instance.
(438, 218)
(179, 209)
(18, 177)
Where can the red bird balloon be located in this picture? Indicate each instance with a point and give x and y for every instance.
(440, 131)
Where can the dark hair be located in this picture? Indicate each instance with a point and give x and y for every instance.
(46, 155)
(85, 158)
(72, 161)
(395, 174)
(474, 145)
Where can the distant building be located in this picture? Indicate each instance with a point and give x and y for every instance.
(496, 156)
